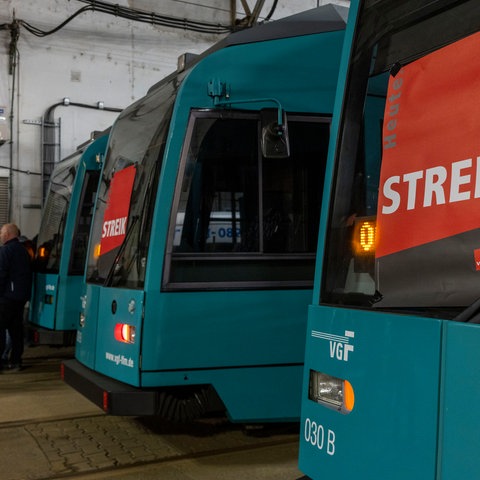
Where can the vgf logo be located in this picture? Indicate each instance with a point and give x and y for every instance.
(340, 345)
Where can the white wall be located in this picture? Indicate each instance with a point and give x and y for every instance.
(96, 57)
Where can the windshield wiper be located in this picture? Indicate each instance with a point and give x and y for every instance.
(112, 271)
(471, 314)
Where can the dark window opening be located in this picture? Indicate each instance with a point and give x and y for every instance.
(83, 222)
(240, 218)
(54, 217)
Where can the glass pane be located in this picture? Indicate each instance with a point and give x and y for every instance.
(218, 209)
(242, 218)
(50, 236)
(292, 190)
(83, 223)
(409, 85)
(137, 141)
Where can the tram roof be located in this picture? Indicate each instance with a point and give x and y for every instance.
(327, 18)
(323, 19)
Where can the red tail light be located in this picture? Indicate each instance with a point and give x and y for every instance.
(124, 333)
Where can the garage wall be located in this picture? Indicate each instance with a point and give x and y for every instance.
(94, 58)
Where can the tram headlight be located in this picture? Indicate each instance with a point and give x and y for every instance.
(81, 319)
(333, 392)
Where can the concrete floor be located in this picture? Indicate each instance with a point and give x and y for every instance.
(50, 430)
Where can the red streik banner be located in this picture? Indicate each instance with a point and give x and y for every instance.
(116, 213)
(430, 177)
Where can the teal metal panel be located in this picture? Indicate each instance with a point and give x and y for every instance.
(249, 345)
(460, 412)
(69, 302)
(117, 359)
(393, 363)
(56, 301)
(43, 313)
(223, 329)
(85, 346)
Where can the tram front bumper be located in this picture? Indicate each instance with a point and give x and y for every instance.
(112, 396)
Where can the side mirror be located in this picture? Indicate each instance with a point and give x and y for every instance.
(274, 137)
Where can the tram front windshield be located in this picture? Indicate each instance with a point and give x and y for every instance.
(50, 236)
(121, 230)
(403, 232)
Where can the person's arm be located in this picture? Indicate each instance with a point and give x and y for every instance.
(3, 269)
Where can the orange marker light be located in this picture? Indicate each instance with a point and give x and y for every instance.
(332, 392)
(364, 236)
(367, 236)
(348, 396)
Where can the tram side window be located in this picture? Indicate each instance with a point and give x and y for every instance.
(50, 237)
(82, 223)
(242, 218)
(219, 195)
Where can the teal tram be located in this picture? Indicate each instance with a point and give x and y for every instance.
(202, 255)
(392, 378)
(62, 244)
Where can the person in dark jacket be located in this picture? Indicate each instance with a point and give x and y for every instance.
(15, 291)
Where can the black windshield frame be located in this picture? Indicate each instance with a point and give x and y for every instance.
(248, 243)
(137, 140)
(54, 219)
(389, 34)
